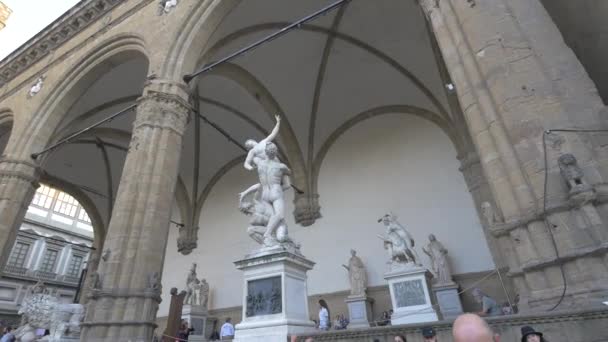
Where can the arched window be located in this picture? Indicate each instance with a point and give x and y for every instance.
(57, 207)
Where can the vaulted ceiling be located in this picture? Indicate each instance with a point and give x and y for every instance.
(363, 59)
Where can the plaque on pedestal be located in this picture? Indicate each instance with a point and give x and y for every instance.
(359, 311)
(410, 295)
(275, 298)
(196, 316)
(448, 300)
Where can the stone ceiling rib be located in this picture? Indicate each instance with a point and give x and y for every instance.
(91, 112)
(319, 84)
(339, 35)
(235, 112)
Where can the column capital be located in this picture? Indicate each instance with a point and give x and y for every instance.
(164, 104)
(21, 169)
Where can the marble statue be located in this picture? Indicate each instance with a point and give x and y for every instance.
(95, 283)
(439, 260)
(106, 255)
(66, 321)
(267, 206)
(154, 283)
(167, 6)
(571, 172)
(398, 242)
(191, 285)
(203, 293)
(488, 213)
(258, 149)
(41, 310)
(37, 87)
(356, 275)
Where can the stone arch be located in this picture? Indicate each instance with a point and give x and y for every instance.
(443, 124)
(99, 228)
(6, 127)
(198, 27)
(52, 111)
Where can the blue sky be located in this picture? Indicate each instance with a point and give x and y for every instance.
(27, 19)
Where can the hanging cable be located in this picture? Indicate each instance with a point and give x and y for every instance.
(234, 141)
(69, 138)
(545, 191)
(297, 24)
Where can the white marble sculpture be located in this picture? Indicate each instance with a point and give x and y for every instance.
(41, 310)
(398, 242)
(439, 260)
(267, 205)
(66, 322)
(37, 87)
(167, 6)
(203, 293)
(191, 286)
(488, 213)
(356, 275)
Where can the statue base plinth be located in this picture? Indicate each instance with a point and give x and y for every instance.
(449, 302)
(359, 311)
(196, 316)
(410, 294)
(275, 296)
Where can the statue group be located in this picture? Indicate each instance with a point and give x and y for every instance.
(399, 244)
(197, 291)
(267, 203)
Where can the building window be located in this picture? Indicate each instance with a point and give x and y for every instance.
(44, 196)
(82, 216)
(48, 261)
(66, 205)
(17, 258)
(74, 266)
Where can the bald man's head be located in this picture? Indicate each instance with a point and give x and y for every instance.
(471, 328)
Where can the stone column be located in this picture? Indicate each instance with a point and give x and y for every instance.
(515, 78)
(126, 288)
(18, 182)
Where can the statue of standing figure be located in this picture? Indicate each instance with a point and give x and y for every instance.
(203, 293)
(191, 285)
(439, 260)
(267, 207)
(398, 242)
(356, 275)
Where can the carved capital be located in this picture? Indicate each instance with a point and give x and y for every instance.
(162, 110)
(187, 240)
(21, 170)
(307, 209)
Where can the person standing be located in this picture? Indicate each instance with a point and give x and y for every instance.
(528, 334)
(323, 315)
(8, 336)
(489, 307)
(227, 331)
(429, 334)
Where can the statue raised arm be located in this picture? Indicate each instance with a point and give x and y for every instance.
(257, 149)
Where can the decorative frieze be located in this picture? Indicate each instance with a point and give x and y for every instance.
(51, 38)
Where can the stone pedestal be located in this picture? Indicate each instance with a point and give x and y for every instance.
(448, 300)
(275, 296)
(359, 311)
(410, 295)
(196, 316)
